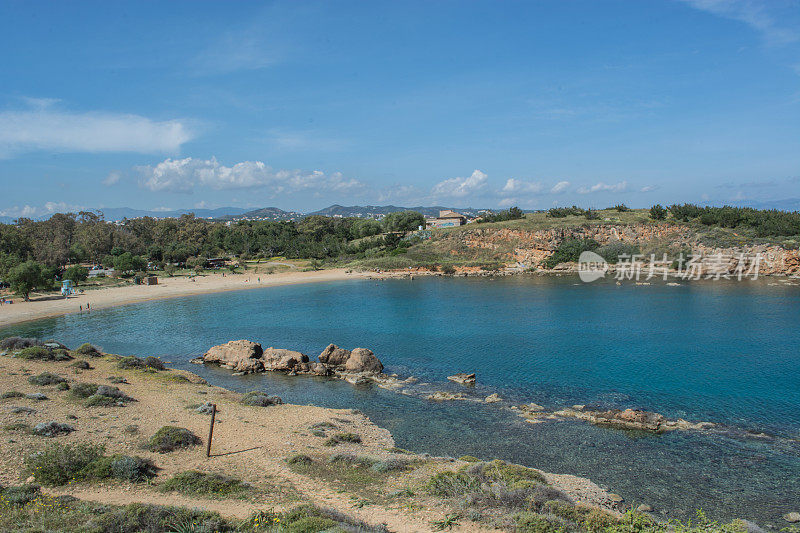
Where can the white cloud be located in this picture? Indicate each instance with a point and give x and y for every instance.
(604, 187)
(29, 211)
(183, 175)
(649, 188)
(519, 186)
(758, 15)
(43, 128)
(460, 187)
(559, 187)
(234, 52)
(112, 178)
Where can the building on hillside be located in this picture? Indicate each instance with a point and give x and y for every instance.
(215, 262)
(446, 219)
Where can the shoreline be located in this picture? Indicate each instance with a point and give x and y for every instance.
(251, 443)
(52, 306)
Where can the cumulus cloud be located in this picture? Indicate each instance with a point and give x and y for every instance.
(44, 128)
(30, 211)
(461, 187)
(513, 186)
(561, 186)
(183, 175)
(604, 187)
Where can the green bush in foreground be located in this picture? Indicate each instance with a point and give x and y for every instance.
(46, 378)
(206, 484)
(89, 350)
(343, 437)
(171, 438)
(27, 509)
(60, 464)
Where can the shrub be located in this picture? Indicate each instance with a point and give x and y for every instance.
(21, 495)
(81, 365)
(203, 483)
(154, 363)
(170, 438)
(562, 212)
(37, 396)
(46, 378)
(612, 251)
(450, 484)
(89, 350)
(260, 399)
(81, 391)
(535, 523)
(658, 212)
(39, 353)
(311, 524)
(300, 459)
(343, 437)
(591, 214)
(448, 270)
(19, 343)
(469, 459)
(11, 394)
(510, 474)
(156, 518)
(621, 208)
(52, 429)
(569, 250)
(123, 467)
(22, 427)
(106, 396)
(127, 363)
(63, 386)
(390, 465)
(57, 465)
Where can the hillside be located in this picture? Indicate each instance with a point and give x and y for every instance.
(528, 243)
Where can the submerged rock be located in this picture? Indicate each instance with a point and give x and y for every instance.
(493, 398)
(442, 396)
(637, 419)
(463, 378)
(792, 517)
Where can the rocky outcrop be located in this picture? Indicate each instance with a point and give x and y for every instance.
(637, 419)
(240, 356)
(360, 360)
(246, 357)
(463, 378)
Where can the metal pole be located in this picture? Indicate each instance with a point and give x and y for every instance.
(211, 429)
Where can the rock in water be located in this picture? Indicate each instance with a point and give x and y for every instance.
(334, 356)
(463, 378)
(240, 356)
(363, 360)
(282, 359)
(792, 517)
(360, 360)
(493, 398)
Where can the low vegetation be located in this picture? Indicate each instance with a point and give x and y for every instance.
(88, 350)
(260, 399)
(46, 378)
(94, 395)
(343, 437)
(207, 484)
(61, 464)
(171, 438)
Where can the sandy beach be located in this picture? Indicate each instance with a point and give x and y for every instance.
(49, 306)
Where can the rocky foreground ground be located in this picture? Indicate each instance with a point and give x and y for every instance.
(145, 427)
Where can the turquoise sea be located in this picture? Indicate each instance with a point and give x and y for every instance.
(721, 351)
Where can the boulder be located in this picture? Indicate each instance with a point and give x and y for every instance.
(363, 360)
(493, 398)
(443, 396)
(792, 517)
(334, 356)
(281, 359)
(235, 355)
(319, 369)
(463, 378)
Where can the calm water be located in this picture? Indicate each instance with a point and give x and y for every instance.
(724, 352)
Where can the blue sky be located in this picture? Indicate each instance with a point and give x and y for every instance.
(487, 104)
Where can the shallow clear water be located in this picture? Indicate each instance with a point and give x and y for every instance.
(723, 352)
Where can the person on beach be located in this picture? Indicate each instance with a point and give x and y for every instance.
(81, 306)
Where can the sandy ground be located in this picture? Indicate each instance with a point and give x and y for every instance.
(250, 443)
(44, 307)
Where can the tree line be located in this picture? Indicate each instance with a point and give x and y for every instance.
(72, 238)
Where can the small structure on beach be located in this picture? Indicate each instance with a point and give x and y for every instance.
(216, 262)
(67, 288)
(151, 280)
(446, 219)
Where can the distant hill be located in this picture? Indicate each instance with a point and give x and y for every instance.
(265, 213)
(118, 213)
(371, 211)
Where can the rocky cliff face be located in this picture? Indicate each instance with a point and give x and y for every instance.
(531, 248)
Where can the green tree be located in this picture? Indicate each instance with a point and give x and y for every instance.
(403, 221)
(657, 212)
(127, 262)
(76, 273)
(28, 276)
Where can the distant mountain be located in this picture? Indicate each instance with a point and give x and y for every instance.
(265, 213)
(118, 213)
(372, 211)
